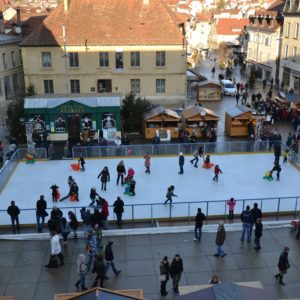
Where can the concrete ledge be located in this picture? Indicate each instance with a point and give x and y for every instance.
(142, 231)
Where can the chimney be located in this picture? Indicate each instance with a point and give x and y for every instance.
(18, 17)
(66, 5)
(146, 2)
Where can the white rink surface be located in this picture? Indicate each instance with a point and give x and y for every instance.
(241, 179)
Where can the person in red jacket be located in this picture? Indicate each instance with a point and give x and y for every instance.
(104, 204)
(217, 171)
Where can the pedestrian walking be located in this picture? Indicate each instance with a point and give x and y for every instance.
(264, 82)
(200, 217)
(41, 213)
(55, 251)
(181, 163)
(164, 270)
(100, 270)
(56, 215)
(147, 158)
(176, 270)
(86, 218)
(246, 218)
(237, 97)
(258, 233)
(82, 162)
(195, 159)
(213, 70)
(121, 172)
(220, 239)
(55, 192)
(64, 229)
(14, 211)
(104, 178)
(272, 83)
(91, 246)
(231, 204)
(73, 223)
(118, 210)
(170, 194)
(283, 265)
(81, 270)
(109, 259)
(217, 171)
(238, 85)
(255, 213)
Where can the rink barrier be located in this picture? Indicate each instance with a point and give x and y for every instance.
(152, 212)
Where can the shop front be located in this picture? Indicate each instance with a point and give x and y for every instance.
(77, 120)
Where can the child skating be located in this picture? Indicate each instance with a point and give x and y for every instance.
(170, 194)
(217, 171)
(285, 155)
(55, 192)
(147, 158)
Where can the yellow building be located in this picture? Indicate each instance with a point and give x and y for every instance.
(290, 51)
(98, 46)
(11, 71)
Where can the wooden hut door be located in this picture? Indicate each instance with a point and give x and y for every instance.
(74, 129)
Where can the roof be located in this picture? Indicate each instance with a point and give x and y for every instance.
(31, 22)
(237, 111)
(277, 5)
(206, 82)
(204, 16)
(38, 103)
(107, 22)
(198, 110)
(161, 110)
(230, 26)
(6, 39)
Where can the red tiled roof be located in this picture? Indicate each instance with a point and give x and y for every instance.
(108, 22)
(231, 26)
(277, 5)
(204, 16)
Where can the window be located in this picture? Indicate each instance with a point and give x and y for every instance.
(287, 29)
(48, 87)
(135, 86)
(103, 60)
(75, 86)
(160, 58)
(160, 85)
(286, 51)
(134, 59)
(73, 60)
(13, 59)
(119, 60)
(7, 86)
(20, 55)
(0, 87)
(15, 82)
(4, 60)
(296, 31)
(294, 52)
(46, 60)
(267, 41)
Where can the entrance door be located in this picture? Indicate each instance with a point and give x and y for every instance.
(74, 129)
(104, 86)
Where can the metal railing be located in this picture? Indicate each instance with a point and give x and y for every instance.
(186, 210)
(169, 149)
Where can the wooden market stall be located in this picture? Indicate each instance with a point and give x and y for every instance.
(199, 120)
(209, 91)
(237, 121)
(163, 122)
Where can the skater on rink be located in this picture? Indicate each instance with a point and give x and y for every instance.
(217, 171)
(231, 204)
(82, 162)
(181, 163)
(195, 159)
(207, 164)
(93, 196)
(276, 168)
(170, 194)
(121, 172)
(104, 178)
(55, 192)
(147, 158)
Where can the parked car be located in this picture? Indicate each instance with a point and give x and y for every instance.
(228, 87)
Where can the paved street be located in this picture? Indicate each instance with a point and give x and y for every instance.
(22, 273)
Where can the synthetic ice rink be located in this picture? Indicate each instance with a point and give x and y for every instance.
(241, 179)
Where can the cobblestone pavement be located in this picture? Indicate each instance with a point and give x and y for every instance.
(22, 271)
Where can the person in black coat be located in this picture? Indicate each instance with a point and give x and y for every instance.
(109, 258)
(181, 163)
(82, 162)
(41, 213)
(56, 215)
(98, 218)
(73, 223)
(283, 265)
(276, 168)
(258, 233)
(118, 210)
(14, 211)
(104, 177)
(200, 217)
(176, 271)
(255, 213)
(121, 172)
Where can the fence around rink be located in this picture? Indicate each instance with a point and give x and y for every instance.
(187, 210)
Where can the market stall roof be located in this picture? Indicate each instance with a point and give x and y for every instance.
(206, 82)
(192, 111)
(159, 110)
(238, 111)
(230, 291)
(293, 97)
(41, 102)
(195, 75)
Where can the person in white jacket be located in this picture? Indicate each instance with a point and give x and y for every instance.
(55, 251)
